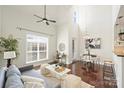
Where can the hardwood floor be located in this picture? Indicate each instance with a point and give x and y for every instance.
(92, 77)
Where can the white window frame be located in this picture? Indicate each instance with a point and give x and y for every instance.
(38, 41)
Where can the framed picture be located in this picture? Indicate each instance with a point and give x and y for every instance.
(93, 43)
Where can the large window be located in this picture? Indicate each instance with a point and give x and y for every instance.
(37, 48)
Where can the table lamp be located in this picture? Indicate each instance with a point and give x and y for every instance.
(9, 55)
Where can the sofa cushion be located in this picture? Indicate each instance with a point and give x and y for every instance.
(33, 85)
(13, 69)
(49, 82)
(14, 81)
(2, 77)
(26, 78)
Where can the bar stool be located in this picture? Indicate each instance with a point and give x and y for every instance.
(108, 71)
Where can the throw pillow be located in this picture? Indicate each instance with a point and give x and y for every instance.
(14, 81)
(13, 69)
(44, 71)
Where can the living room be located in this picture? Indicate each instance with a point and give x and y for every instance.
(39, 40)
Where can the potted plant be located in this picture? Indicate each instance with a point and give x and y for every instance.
(8, 44)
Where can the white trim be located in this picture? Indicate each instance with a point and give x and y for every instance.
(34, 31)
(36, 39)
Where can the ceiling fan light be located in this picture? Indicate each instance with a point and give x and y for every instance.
(44, 19)
(47, 23)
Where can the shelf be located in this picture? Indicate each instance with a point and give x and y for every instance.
(119, 34)
(119, 50)
(120, 41)
(120, 55)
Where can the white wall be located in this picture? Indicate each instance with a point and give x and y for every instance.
(122, 72)
(115, 11)
(119, 66)
(97, 19)
(63, 28)
(67, 30)
(99, 24)
(74, 34)
(0, 19)
(62, 37)
(118, 69)
(22, 16)
(0, 32)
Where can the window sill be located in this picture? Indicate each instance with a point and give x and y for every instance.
(37, 61)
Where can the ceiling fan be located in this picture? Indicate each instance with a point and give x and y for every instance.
(44, 19)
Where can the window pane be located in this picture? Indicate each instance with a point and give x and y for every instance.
(42, 46)
(34, 46)
(45, 46)
(29, 57)
(32, 56)
(42, 55)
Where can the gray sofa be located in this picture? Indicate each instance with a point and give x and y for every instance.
(2, 77)
(11, 78)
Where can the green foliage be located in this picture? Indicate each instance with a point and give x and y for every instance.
(8, 44)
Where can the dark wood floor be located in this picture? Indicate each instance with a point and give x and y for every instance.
(93, 77)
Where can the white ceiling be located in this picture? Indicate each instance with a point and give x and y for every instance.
(52, 11)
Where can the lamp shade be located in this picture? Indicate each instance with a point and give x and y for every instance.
(9, 55)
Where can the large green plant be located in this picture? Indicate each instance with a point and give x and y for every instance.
(8, 44)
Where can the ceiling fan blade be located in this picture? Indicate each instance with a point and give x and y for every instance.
(38, 16)
(52, 21)
(47, 23)
(40, 21)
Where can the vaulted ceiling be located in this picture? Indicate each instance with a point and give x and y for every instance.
(52, 11)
